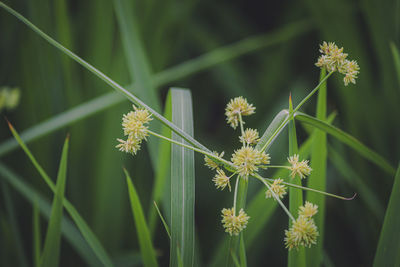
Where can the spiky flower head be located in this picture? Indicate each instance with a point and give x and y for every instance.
(247, 160)
(234, 224)
(308, 210)
(134, 124)
(221, 180)
(333, 59)
(302, 233)
(250, 137)
(278, 188)
(211, 163)
(236, 106)
(300, 168)
(131, 145)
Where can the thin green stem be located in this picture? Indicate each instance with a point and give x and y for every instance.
(208, 154)
(314, 190)
(290, 115)
(278, 166)
(241, 125)
(235, 194)
(257, 176)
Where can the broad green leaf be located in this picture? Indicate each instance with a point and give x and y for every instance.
(296, 258)
(70, 232)
(349, 140)
(317, 179)
(387, 253)
(52, 244)
(182, 182)
(146, 247)
(80, 222)
(396, 59)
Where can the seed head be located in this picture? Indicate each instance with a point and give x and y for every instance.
(278, 188)
(234, 224)
(302, 233)
(221, 180)
(211, 163)
(250, 137)
(134, 124)
(333, 59)
(308, 210)
(299, 167)
(236, 106)
(248, 160)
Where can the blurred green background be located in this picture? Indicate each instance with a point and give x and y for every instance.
(277, 57)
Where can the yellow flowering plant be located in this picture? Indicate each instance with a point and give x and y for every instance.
(247, 161)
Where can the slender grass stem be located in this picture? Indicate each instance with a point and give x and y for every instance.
(241, 125)
(257, 176)
(235, 194)
(278, 166)
(208, 154)
(283, 124)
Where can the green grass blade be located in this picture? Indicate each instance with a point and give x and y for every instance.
(396, 59)
(349, 140)
(80, 222)
(108, 100)
(242, 252)
(70, 231)
(387, 253)
(37, 240)
(271, 132)
(317, 179)
(166, 227)
(182, 182)
(52, 244)
(15, 230)
(295, 257)
(146, 247)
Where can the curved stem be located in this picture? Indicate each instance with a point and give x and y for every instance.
(235, 194)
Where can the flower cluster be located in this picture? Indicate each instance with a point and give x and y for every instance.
(234, 224)
(250, 137)
(247, 160)
(221, 180)
(211, 163)
(277, 188)
(333, 59)
(300, 168)
(135, 127)
(238, 107)
(303, 231)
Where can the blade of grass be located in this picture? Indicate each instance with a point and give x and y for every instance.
(37, 240)
(69, 230)
(182, 182)
(242, 252)
(163, 220)
(52, 244)
(317, 179)
(146, 247)
(387, 253)
(82, 225)
(117, 87)
(396, 59)
(349, 140)
(295, 257)
(22, 259)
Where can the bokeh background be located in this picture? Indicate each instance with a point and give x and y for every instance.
(283, 37)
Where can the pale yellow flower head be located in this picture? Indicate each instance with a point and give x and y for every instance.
(221, 180)
(250, 137)
(308, 210)
(333, 59)
(234, 224)
(247, 160)
(278, 188)
(134, 124)
(211, 163)
(236, 106)
(300, 168)
(302, 233)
